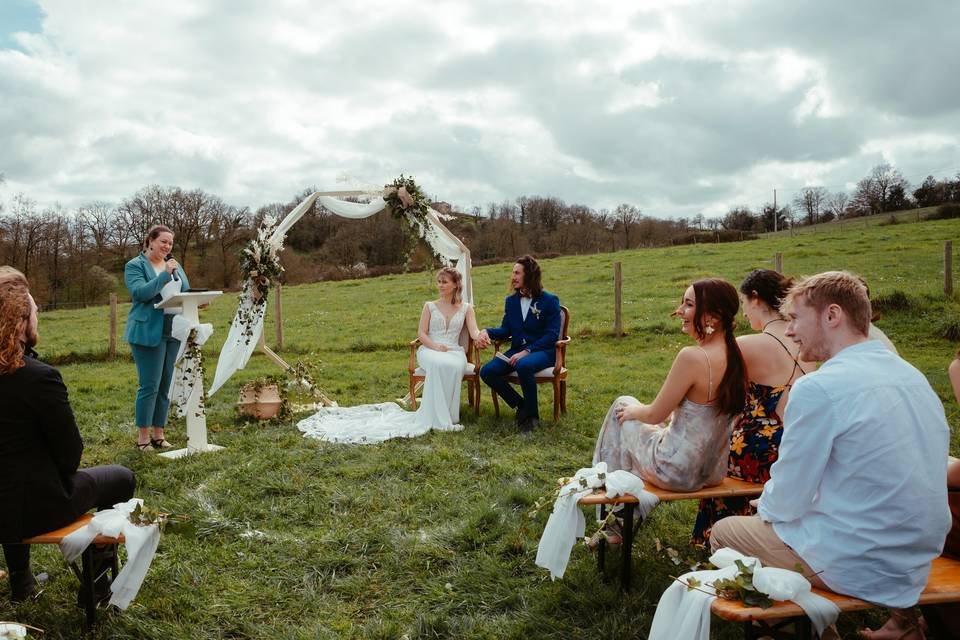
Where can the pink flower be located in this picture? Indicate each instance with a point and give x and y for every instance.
(405, 197)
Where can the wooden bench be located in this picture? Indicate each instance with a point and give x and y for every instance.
(729, 488)
(943, 586)
(85, 573)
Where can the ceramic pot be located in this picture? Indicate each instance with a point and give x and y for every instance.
(263, 403)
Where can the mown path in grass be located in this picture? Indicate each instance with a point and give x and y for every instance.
(427, 538)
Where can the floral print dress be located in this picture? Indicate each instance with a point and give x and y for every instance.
(754, 445)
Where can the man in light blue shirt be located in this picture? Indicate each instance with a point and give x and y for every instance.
(858, 494)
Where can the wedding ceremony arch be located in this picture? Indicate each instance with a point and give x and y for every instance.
(261, 265)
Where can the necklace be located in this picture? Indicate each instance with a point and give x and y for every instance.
(764, 327)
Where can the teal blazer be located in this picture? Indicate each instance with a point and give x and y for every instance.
(144, 323)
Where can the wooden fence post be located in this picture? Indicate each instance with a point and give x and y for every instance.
(617, 299)
(948, 267)
(778, 262)
(113, 325)
(279, 319)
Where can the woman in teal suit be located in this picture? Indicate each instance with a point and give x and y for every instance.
(150, 278)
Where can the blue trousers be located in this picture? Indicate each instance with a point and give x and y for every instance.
(155, 371)
(494, 374)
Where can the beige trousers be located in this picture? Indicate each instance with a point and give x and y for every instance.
(751, 536)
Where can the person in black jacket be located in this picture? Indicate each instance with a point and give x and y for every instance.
(41, 488)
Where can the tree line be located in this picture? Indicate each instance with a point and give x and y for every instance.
(882, 190)
(77, 256)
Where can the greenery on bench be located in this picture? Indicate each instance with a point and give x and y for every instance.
(422, 538)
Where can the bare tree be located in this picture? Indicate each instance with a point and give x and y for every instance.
(837, 203)
(96, 222)
(811, 201)
(883, 190)
(626, 216)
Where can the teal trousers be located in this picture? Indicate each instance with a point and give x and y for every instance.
(155, 371)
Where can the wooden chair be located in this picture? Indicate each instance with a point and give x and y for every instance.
(471, 373)
(556, 375)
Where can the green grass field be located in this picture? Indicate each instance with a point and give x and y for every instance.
(426, 538)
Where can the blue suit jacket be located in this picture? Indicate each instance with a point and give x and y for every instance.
(144, 323)
(539, 332)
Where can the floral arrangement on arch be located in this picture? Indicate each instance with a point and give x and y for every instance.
(260, 260)
(407, 203)
(261, 269)
(404, 198)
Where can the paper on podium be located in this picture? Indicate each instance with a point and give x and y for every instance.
(194, 297)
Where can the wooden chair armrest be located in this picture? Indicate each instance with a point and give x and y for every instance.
(496, 344)
(412, 364)
(561, 357)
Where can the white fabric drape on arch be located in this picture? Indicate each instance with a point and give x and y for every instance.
(239, 347)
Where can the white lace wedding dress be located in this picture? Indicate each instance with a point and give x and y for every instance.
(439, 409)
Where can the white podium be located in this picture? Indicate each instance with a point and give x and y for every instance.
(196, 416)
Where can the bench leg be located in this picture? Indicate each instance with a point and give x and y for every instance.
(626, 547)
(602, 545)
(778, 630)
(86, 589)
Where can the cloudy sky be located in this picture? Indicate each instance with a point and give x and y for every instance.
(677, 107)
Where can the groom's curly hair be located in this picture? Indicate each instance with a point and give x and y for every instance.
(531, 275)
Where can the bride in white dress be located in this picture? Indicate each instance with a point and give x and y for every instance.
(443, 359)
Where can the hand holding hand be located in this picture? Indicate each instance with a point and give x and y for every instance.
(628, 412)
(483, 339)
(517, 356)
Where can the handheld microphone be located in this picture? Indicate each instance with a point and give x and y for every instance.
(174, 274)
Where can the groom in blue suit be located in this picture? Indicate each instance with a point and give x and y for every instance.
(531, 319)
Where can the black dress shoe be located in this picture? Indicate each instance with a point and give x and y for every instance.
(22, 585)
(528, 425)
(521, 417)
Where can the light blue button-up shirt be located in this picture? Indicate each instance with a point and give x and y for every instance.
(859, 490)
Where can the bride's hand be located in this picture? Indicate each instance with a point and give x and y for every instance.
(628, 412)
(442, 348)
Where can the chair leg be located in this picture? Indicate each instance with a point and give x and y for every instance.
(470, 392)
(413, 393)
(475, 389)
(556, 401)
(496, 404)
(563, 396)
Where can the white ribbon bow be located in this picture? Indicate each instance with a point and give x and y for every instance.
(141, 544)
(684, 614)
(566, 523)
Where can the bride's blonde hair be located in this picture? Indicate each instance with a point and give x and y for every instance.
(454, 276)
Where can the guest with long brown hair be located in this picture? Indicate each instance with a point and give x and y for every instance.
(774, 364)
(704, 391)
(41, 487)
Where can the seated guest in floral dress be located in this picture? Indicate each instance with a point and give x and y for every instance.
(772, 367)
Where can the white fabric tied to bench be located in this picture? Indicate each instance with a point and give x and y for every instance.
(566, 523)
(684, 614)
(141, 543)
